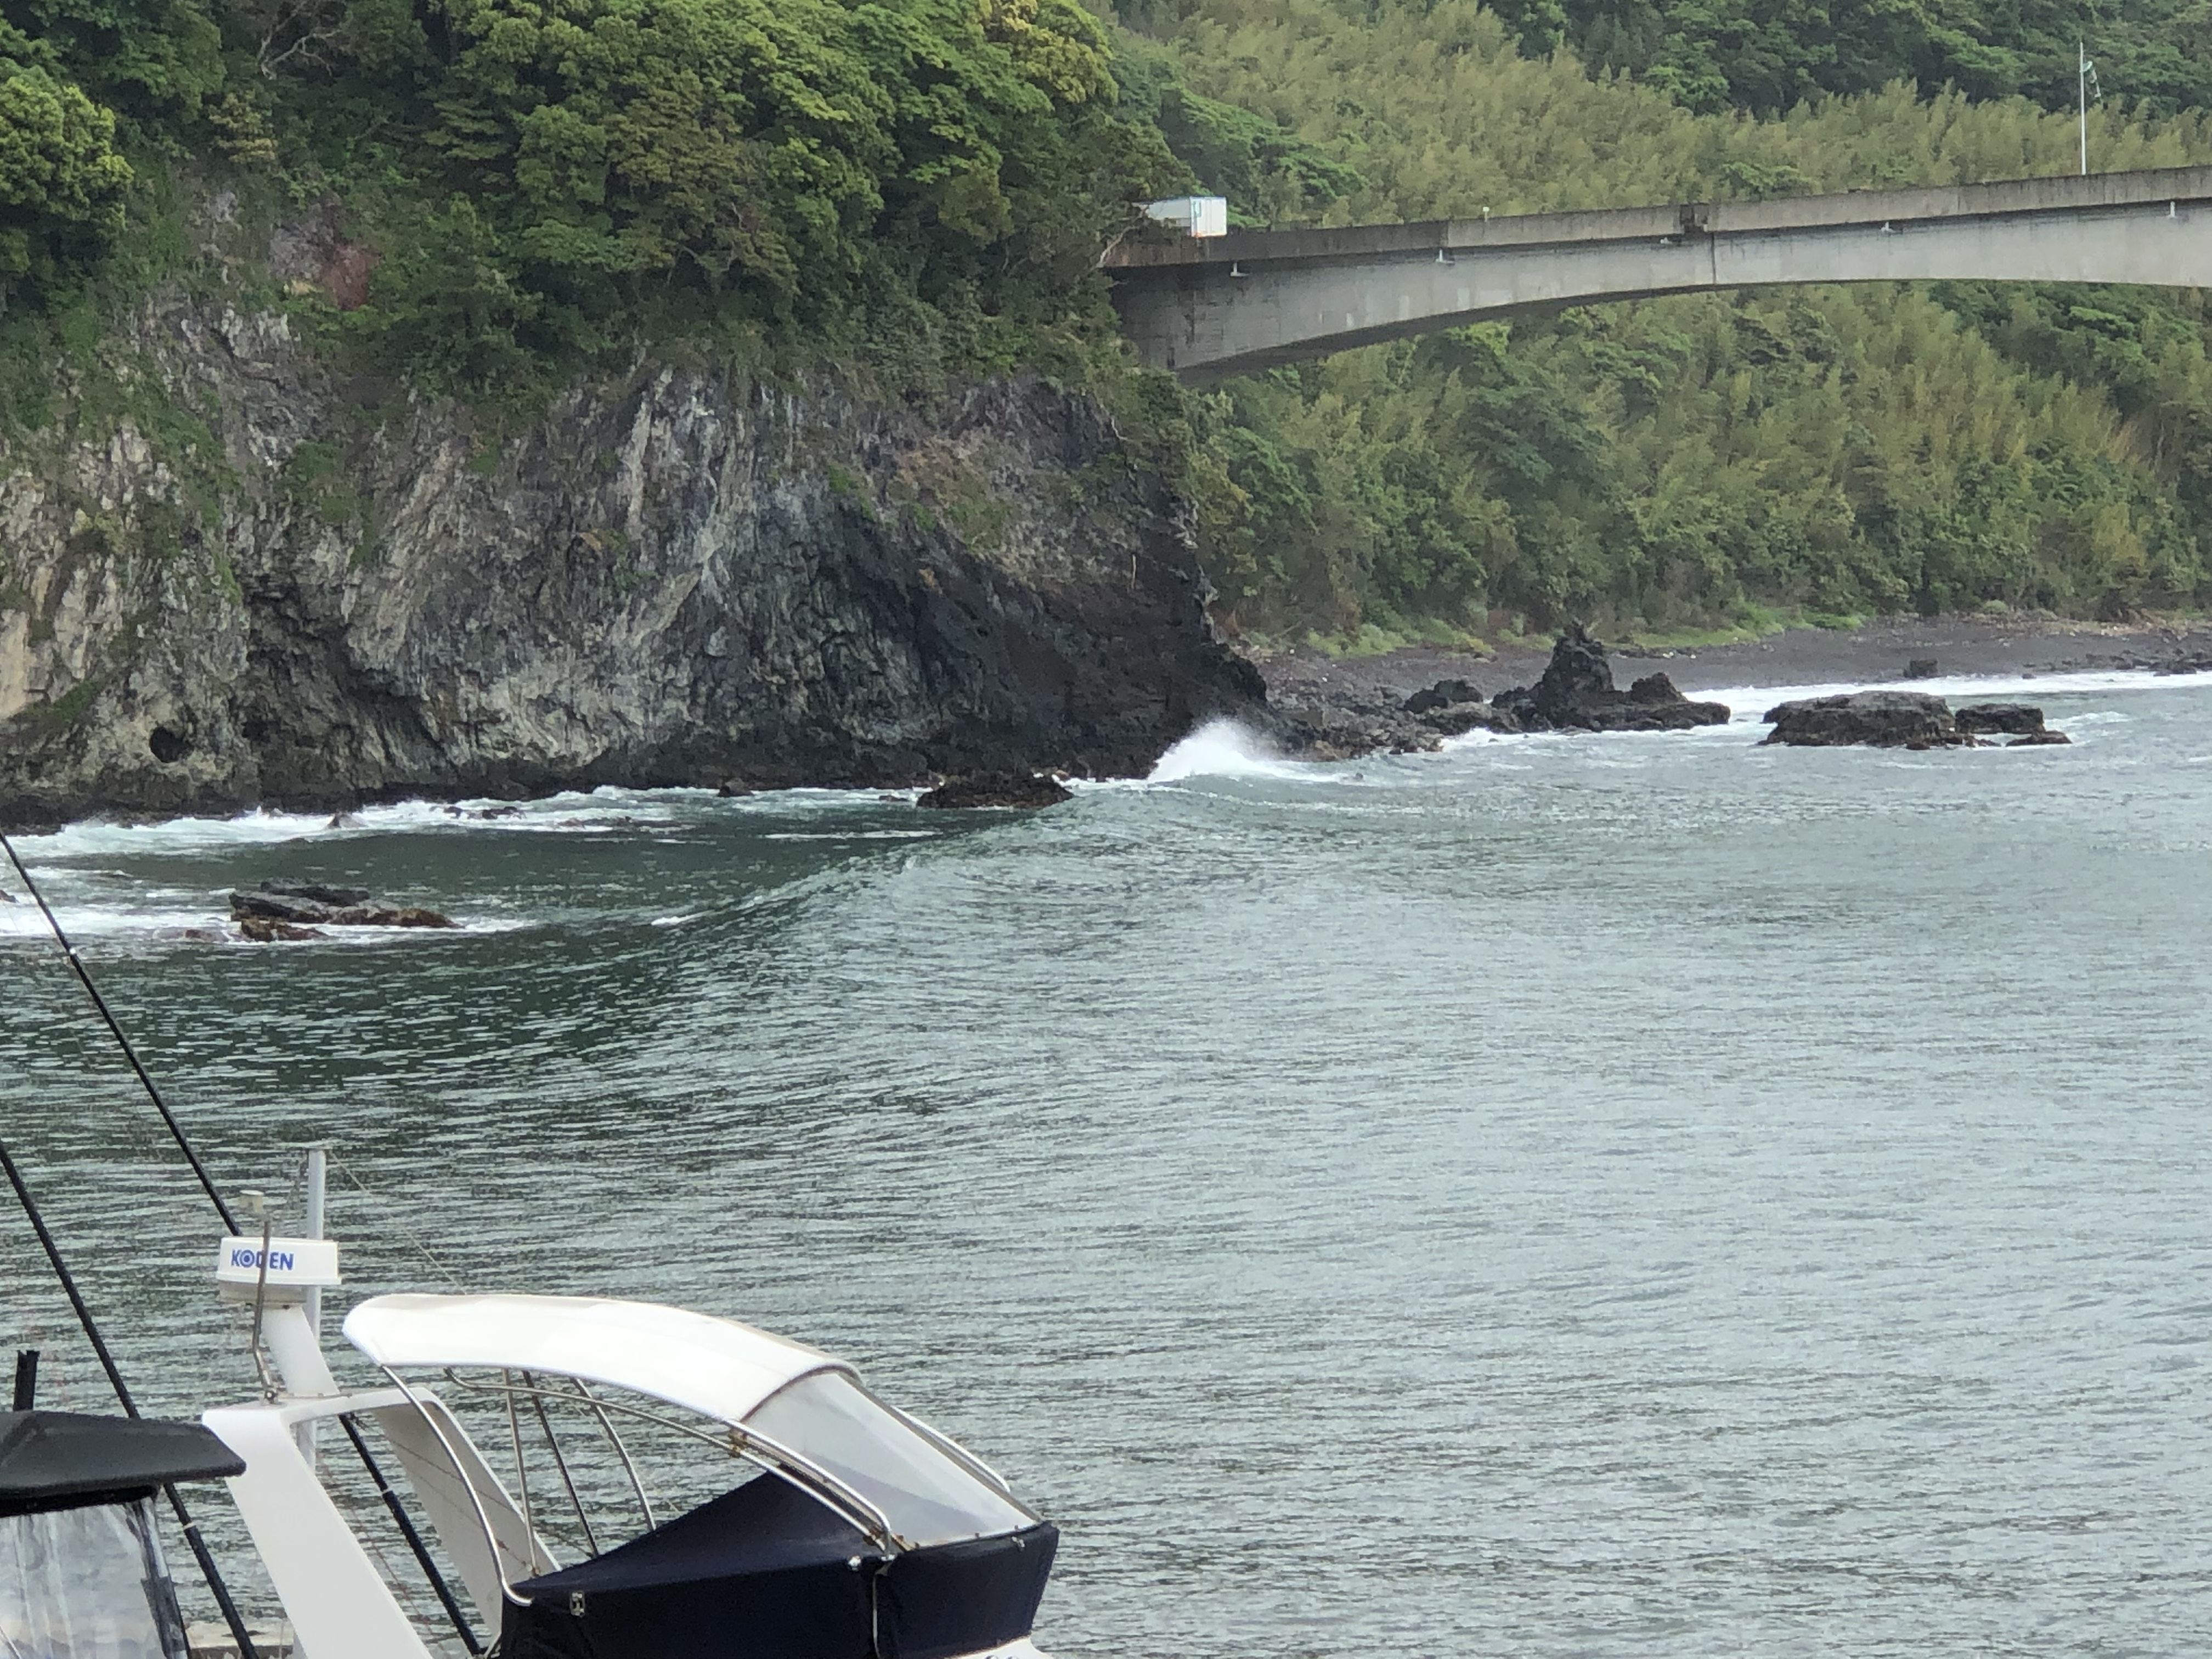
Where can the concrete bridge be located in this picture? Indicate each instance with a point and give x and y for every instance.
(1207, 307)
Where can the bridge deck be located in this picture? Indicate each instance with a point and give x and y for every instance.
(2068, 192)
(1225, 304)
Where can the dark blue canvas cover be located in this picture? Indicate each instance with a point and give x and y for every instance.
(767, 1572)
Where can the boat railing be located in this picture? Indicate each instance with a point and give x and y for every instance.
(733, 1439)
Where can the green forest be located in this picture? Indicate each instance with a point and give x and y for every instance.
(909, 192)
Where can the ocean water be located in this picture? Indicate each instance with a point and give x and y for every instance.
(1613, 1195)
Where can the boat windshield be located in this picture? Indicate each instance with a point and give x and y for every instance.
(927, 1497)
(86, 1584)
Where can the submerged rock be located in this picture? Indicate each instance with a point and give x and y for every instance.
(1884, 720)
(2035, 739)
(1920, 668)
(1023, 790)
(1577, 694)
(2017, 718)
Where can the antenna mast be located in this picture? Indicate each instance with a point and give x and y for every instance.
(2085, 76)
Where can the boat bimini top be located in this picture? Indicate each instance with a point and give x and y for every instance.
(860, 1534)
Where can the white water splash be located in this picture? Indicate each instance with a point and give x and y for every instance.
(1224, 749)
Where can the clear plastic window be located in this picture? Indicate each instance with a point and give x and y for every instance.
(927, 1497)
(86, 1583)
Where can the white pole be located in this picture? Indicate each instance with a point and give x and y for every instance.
(318, 1182)
(2082, 82)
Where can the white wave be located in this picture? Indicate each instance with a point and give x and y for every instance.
(1224, 749)
(23, 922)
(1748, 702)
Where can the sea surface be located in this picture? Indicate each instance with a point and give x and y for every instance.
(1626, 1195)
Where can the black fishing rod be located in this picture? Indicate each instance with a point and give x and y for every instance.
(83, 978)
(231, 1616)
(391, 1501)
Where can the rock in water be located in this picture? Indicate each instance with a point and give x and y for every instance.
(1920, 668)
(2035, 739)
(262, 931)
(263, 914)
(1025, 790)
(1577, 694)
(1886, 719)
(2016, 718)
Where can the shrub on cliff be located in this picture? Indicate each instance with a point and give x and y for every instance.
(62, 181)
(781, 165)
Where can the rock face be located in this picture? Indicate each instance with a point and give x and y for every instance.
(1027, 790)
(1888, 719)
(1575, 693)
(2018, 718)
(264, 591)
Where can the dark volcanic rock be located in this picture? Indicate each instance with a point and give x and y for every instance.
(298, 908)
(1577, 693)
(1444, 694)
(1886, 719)
(262, 931)
(2036, 739)
(1920, 668)
(1025, 790)
(1455, 718)
(1346, 731)
(316, 895)
(2018, 718)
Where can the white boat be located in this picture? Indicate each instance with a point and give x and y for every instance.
(838, 1527)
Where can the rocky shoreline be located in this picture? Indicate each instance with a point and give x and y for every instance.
(2013, 646)
(1576, 692)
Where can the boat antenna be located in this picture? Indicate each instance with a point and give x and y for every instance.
(84, 978)
(231, 1616)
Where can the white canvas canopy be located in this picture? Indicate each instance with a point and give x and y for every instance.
(716, 1367)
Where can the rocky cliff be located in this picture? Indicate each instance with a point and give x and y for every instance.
(223, 583)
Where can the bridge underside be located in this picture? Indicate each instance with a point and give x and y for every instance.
(1258, 299)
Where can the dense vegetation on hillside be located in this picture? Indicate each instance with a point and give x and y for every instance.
(544, 177)
(918, 188)
(1694, 461)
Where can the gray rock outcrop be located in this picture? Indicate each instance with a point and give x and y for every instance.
(249, 588)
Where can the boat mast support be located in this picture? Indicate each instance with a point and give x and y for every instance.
(337, 1602)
